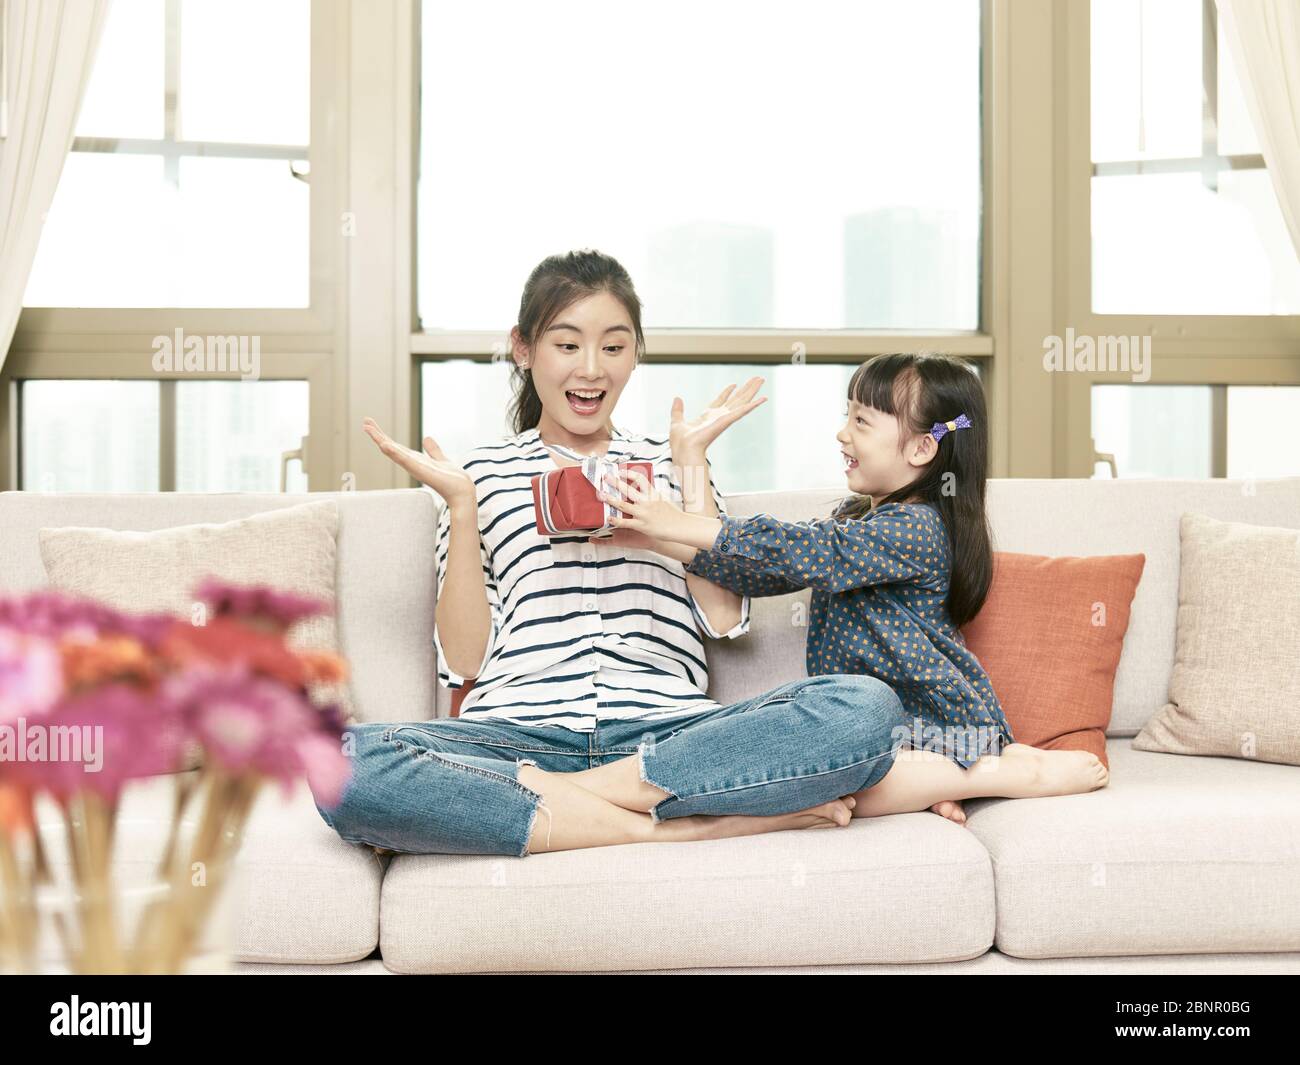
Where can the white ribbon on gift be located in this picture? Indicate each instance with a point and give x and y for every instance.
(594, 468)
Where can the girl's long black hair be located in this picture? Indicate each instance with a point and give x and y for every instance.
(555, 283)
(919, 390)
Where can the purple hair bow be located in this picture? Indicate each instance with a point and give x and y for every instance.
(941, 428)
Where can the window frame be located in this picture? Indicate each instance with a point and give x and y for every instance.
(360, 343)
(291, 368)
(1185, 349)
(295, 342)
(314, 318)
(776, 346)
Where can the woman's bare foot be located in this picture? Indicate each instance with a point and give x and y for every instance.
(951, 809)
(1032, 773)
(834, 814)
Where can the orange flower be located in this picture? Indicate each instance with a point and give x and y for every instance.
(224, 641)
(322, 667)
(87, 663)
(15, 809)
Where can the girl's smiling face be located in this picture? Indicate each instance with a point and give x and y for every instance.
(877, 460)
(580, 365)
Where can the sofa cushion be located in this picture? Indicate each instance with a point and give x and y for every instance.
(1175, 855)
(1037, 606)
(1235, 689)
(291, 550)
(298, 892)
(1083, 516)
(301, 894)
(911, 887)
(384, 583)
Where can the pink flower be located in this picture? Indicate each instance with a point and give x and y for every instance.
(245, 722)
(98, 697)
(99, 740)
(53, 614)
(258, 602)
(31, 675)
(327, 767)
(231, 730)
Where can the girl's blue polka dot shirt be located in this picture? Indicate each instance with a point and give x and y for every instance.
(879, 606)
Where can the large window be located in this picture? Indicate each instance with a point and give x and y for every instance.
(183, 208)
(753, 165)
(149, 436)
(1189, 247)
(1185, 219)
(180, 190)
(89, 436)
(767, 174)
(1196, 430)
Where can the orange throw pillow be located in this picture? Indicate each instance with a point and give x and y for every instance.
(1049, 636)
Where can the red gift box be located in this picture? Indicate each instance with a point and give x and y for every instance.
(571, 500)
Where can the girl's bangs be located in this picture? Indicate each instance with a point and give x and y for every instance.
(876, 382)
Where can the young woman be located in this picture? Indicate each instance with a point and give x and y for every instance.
(903, 563)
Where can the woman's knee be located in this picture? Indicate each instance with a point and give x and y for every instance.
(864, 701)
(876, 706)
(863, 691)
(361, 743)
(413, 797)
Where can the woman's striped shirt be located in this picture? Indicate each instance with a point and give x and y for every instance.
(581, 632)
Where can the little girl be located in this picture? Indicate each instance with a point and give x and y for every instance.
(895, 572)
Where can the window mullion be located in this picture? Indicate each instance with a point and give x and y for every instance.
(1218, 430)
(167, 435)
(171, 69)
(1210, 162)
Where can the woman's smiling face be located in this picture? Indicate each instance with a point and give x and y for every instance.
(874, 463)
(580, 365)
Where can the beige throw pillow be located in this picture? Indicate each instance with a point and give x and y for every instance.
(1235, 687)
(293, 549)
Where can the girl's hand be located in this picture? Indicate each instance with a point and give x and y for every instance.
(692, 438)
(433, 469)
(645, 511)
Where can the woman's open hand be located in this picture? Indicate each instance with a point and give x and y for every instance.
(690, 439)
(433, 469)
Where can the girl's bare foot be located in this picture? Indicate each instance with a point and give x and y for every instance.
(951, 809)
(1031, 772)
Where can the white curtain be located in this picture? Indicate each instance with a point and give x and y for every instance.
(1264, 36)
(49, 52)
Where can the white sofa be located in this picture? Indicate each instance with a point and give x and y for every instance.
(1181, 864)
